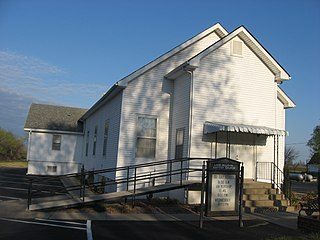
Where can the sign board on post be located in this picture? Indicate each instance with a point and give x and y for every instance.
(222, 196)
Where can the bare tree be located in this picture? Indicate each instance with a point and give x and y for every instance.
(290, 155)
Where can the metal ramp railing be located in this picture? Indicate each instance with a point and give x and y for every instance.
(270, 172)
(120, 182)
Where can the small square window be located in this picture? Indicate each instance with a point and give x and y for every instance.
(56, 142)
(236, 48)
(52, 169)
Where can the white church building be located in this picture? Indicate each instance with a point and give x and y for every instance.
(215, 95)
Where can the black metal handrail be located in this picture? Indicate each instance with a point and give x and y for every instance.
(271, 172)
(129, 177)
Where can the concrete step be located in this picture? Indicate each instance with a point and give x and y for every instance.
(259, 203)
(287, 209)
(256, 185)
(258, 191)
(278, 197)
(262, 197)
(256, 197)
(282, 202)
(260, 209)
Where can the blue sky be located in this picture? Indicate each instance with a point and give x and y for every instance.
(71, 52)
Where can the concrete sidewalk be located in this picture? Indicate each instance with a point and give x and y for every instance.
(284, 219)
(256, 226)
(17, 209)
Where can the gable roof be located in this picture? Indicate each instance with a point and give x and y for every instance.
(121, 84)
(283, 97)
(54, 118)
(279, 72)
(217, 28)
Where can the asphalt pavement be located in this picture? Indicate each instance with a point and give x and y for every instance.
(15, 229)
(14, 184)
(304, 187)
(18, 223)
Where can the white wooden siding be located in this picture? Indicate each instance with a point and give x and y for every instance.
(41, 155)
(180, 112)
(112, 111)
(233, 89)
(145, 95)
(280, 124)
(280, 115)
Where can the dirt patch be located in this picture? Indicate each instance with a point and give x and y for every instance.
(169, 206)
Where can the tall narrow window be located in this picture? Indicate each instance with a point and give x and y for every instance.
(94, 141)
(87, 143)
(179, 143)
(146, 137)
(105, 137)
(56, 142)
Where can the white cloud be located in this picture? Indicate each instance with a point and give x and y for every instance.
(36, 78)
(14, 109)
(25, 79)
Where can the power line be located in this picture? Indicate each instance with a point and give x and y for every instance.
(296, 143)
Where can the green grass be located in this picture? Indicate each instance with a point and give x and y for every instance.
(13, 164)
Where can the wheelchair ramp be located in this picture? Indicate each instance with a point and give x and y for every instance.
(91, 199)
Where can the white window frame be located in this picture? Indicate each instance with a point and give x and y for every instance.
(51, 169)
(179, 145)
(95, 138)
(56, 146)
(87, 144)
(231, 48)
(105, 137)
(156, 137)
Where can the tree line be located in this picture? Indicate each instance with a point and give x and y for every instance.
(314, 145)
(11, 146)
(291, 153)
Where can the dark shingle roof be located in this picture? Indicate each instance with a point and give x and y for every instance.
(48, 117)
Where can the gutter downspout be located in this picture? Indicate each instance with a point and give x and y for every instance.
(190, 125)
(191, 108)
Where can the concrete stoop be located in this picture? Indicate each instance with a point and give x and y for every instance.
(260, 197)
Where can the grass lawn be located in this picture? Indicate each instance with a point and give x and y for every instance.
(13, 164)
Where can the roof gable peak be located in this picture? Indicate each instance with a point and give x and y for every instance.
(217, 28)
(241, 32)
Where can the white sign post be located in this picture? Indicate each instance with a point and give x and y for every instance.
(223, 187)
(223, 191)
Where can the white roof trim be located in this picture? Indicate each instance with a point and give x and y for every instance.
(279, 72)
(220, 31)
(283, 97)
(52, 131)
(211, 127)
